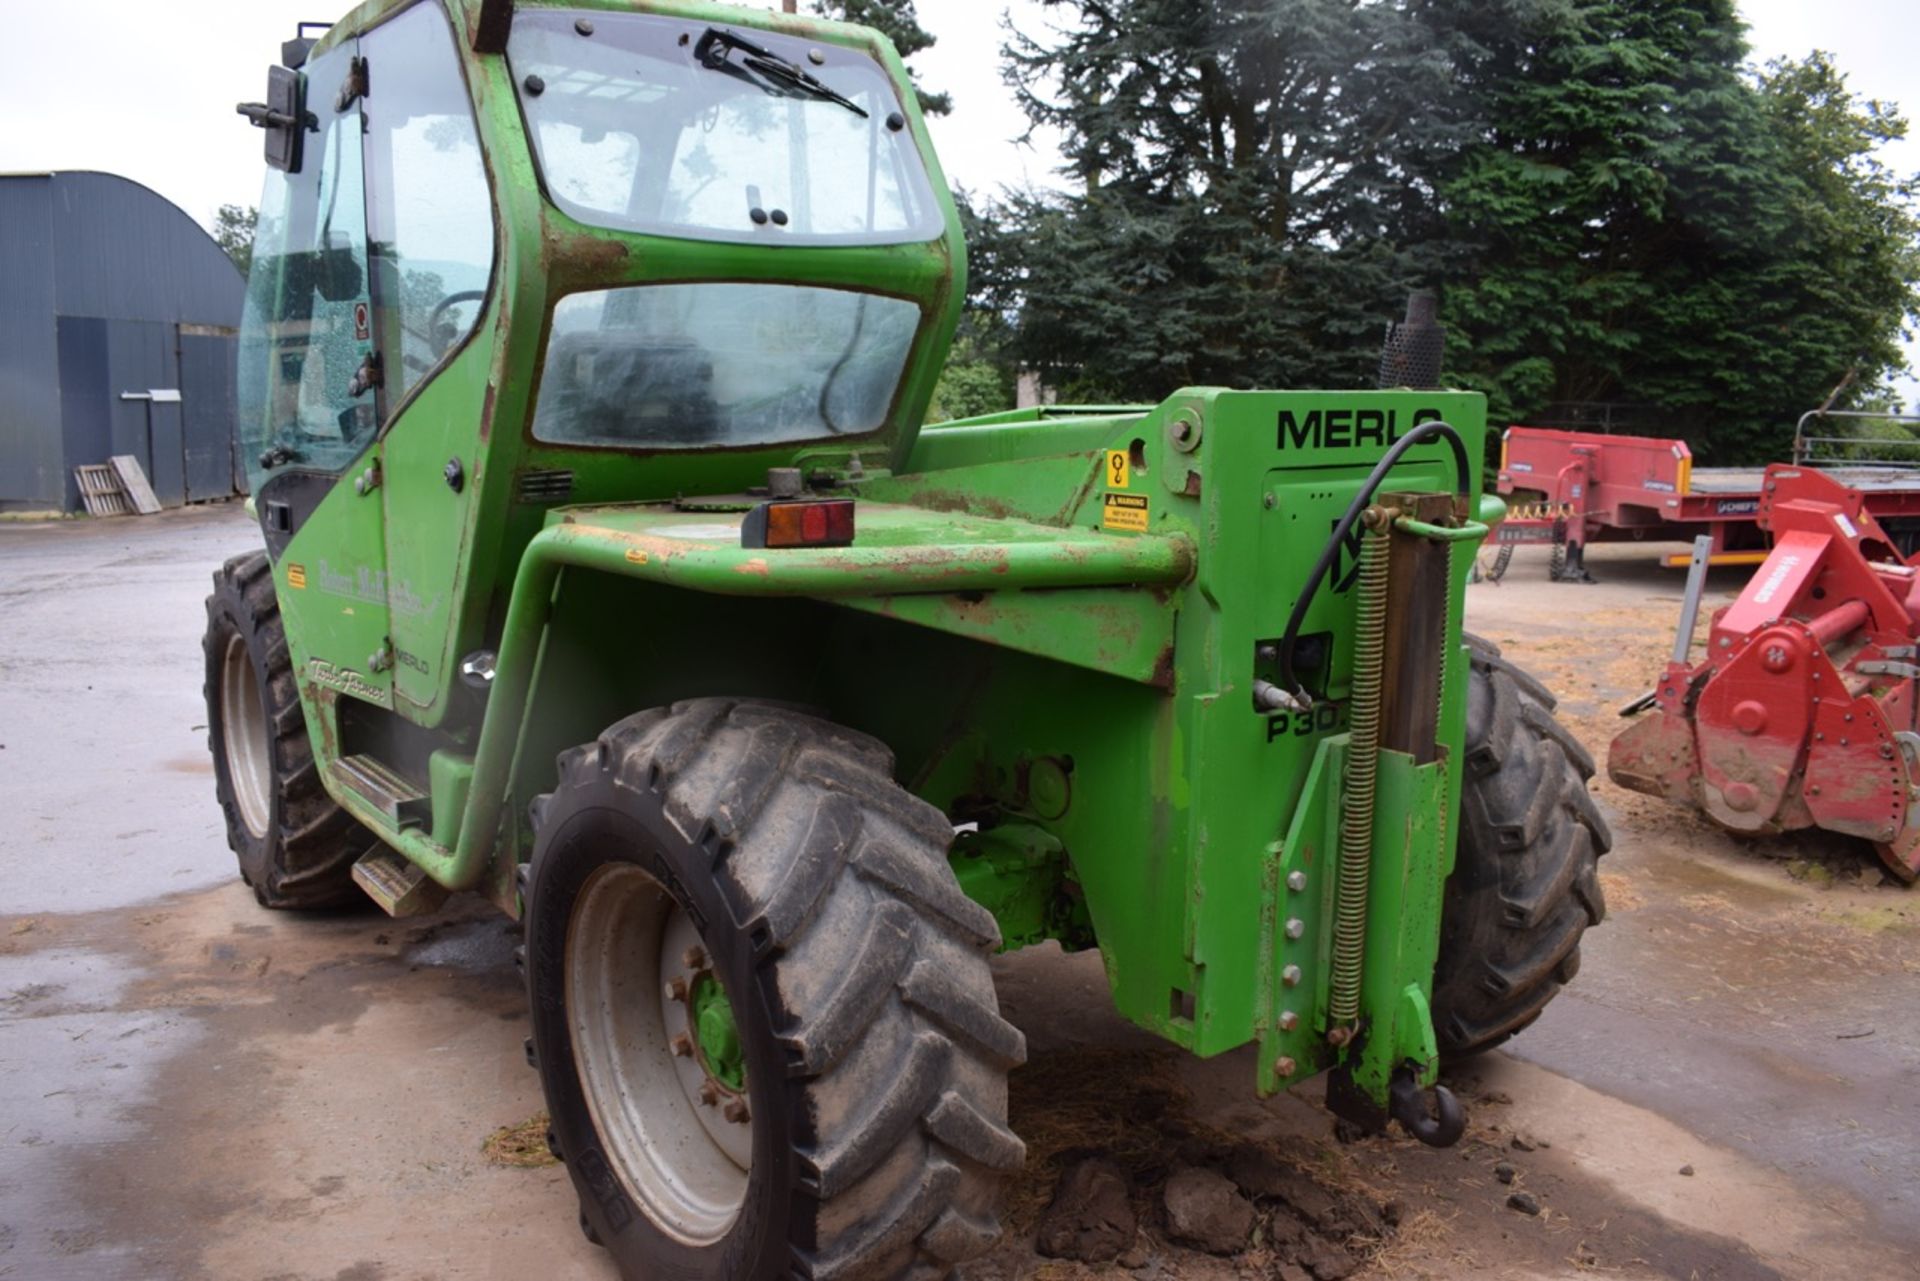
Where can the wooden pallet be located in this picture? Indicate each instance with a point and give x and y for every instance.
(101, 490)
(134, 480)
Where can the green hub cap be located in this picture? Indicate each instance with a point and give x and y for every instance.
(719, 1037)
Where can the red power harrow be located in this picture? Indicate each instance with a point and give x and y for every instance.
(1803, 712)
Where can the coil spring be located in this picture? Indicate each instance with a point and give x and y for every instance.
(1363, 761)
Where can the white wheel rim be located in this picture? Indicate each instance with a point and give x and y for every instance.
(243, 731)
(676, 1153)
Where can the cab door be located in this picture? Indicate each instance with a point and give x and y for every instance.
(432, 233)
(310, 398)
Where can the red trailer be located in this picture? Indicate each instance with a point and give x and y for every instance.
(1570, 488)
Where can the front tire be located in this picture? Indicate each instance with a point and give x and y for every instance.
(1525, 885)
(846, 1118)
(295, 845)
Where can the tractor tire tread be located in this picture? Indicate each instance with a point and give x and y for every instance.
(872, 959)
(812, 873)
(306, 861)
(1490, 655)
(1541, 720)
(907, 1229)
(1525, 886)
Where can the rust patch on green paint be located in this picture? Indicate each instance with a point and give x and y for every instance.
(569, 252)
(1163, 668)
(486, 408)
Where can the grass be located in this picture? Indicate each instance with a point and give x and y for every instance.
(520, 1147)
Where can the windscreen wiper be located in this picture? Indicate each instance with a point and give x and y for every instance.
(717, 44)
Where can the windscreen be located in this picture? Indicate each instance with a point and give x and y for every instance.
(720, 365)
(684, 128)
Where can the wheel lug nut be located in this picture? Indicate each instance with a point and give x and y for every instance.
(676, 989)
(682, 1046)
(737, 1113)
(709, 1093)
(695, 958)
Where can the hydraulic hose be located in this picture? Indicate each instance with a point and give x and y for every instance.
(1324, 566)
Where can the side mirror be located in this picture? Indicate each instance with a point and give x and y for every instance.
(333, 273)
(337, 274)
(283, 115)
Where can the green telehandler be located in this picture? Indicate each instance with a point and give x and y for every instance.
(610, 573)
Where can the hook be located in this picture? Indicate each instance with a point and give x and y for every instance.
(1408, 1106)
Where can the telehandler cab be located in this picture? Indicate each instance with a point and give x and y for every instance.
(610, 573)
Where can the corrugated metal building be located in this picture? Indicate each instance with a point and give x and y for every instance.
(110, 294)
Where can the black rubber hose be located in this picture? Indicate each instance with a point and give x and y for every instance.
(1324, 566)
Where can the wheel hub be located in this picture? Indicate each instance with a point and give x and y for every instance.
(659, 1056)
(708, 1057)
(719, 1039)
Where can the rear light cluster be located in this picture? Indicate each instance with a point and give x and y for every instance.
(827, 523)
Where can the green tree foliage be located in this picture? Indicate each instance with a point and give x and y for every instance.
(897, 21)
(233, 231)
(970, 385)
(1613, 207)
(1859, 225)
(1643, 222)
(980, 377)
(1243, 193)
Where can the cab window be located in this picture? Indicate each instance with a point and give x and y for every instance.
(428, 204)
(307, 328)
(720, 365)
(685, 128)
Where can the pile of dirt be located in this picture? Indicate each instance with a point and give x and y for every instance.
(1119, 1177)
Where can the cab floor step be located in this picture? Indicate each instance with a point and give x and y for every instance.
(376, 782)
(399, 887)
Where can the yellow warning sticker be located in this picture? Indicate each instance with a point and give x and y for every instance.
(296, 575)
(636, 555)
(1125, 511)
(1116, 469)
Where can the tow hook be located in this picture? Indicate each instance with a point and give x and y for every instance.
(1439, 1128)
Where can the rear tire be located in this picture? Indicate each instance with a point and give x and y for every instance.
(871, 1056)
(1525, 884)
(295, 845)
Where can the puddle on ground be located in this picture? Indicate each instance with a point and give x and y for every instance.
(74, 1070)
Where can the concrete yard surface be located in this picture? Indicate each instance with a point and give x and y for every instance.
(192, 1087)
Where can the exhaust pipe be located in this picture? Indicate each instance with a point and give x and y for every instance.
(1416, 347)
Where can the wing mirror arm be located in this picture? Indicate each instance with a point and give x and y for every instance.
(265, 117)
(284, 117)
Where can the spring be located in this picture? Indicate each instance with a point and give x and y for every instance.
(1363, 762)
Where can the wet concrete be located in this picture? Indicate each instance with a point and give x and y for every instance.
(193, 1088)
(104, 775)
(1775, 1015)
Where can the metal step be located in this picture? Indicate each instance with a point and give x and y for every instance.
(375, 782)
(398, 886)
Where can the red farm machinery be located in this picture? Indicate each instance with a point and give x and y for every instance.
(1571, 488)
(1803, 712)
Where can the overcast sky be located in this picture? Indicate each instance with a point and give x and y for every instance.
(147, 90)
